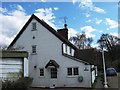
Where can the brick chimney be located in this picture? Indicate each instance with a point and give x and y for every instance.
(63, 32)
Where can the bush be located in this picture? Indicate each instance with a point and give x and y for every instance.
(118, 67)
(20, 84)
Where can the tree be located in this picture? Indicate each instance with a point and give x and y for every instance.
(110, 43)
(81, 41)
(107, 41)
(89, 40)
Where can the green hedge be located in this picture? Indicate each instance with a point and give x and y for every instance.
(20, 84)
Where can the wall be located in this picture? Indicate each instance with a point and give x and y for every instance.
(49, 47)
(26, 69)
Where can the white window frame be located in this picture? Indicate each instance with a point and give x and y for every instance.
(34, 26)
(74, 71)
(73, 74)
(34, 49)
(67, 50)
(41, 72)
(68, 71)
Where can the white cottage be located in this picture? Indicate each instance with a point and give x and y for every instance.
(51, 56)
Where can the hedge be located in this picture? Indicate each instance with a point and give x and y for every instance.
(20, 84)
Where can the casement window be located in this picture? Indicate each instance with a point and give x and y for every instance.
(69, 71)
(41, 71)
(34, 26)
(72, 71)
(75, 71)
(34, 49)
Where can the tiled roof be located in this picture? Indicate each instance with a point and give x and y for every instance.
(76, 59)
(89, 55)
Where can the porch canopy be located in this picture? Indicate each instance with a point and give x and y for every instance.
(52, 63)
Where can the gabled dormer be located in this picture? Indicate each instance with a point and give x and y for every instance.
(67, 50)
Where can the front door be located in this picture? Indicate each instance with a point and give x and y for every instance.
(53, 77)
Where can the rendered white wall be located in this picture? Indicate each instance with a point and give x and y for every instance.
(26, 69)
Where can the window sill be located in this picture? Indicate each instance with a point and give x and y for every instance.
(34, 30)
(41, 76)
(53, 78)
(33, 53)
(72, 76)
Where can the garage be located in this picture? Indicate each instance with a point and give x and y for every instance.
(12, 64)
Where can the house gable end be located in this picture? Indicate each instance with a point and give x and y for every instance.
(46, 26)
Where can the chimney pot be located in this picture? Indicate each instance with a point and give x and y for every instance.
(65, 26)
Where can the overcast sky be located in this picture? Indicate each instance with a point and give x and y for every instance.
(93, 18)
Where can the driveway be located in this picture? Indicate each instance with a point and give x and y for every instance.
(112, 82)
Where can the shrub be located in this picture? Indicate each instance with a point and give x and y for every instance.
(118, 67)
(20, 84)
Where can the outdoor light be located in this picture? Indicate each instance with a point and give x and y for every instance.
(35, 66)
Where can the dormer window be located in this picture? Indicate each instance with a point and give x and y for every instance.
(34, 26)
(67, 50)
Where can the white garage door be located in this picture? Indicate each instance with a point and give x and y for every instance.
(10, 68)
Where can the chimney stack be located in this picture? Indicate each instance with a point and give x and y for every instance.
(63, 32)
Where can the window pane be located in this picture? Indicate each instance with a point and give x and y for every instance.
(75, 71)
(69, 71)
(41, 72)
